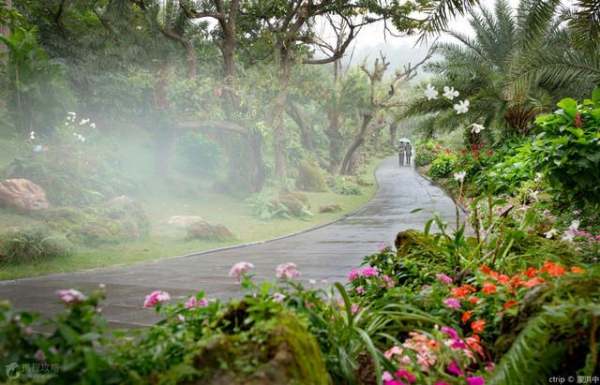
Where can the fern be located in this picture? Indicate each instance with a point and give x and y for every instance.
(533, 356)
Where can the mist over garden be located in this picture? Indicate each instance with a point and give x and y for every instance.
(247, 192)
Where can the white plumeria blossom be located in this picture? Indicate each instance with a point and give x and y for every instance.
(450, 93)
(551, 233)
(460, 176)
(569, 235)
(32, 135)
(70, 113)
(462, 107)
(84, 121)
(93, 125)
(430, 92)
(312, 281)
(477, 128)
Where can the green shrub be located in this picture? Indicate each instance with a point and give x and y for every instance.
(443, 165)
(287, 205)
(568, 148)
(196, 155)
(310, 177)
(32, 245)
(344, 185)
(515, 166)
(425, 153)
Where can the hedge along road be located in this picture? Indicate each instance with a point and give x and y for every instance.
(325, 253)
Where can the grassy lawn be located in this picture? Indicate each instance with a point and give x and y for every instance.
(165, 241)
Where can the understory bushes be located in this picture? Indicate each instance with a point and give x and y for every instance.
(504, 306)
(32, 245)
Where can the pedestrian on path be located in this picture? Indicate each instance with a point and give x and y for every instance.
(401, 153)
(408, 153)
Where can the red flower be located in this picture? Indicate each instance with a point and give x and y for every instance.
(488, 288)
(554, 269)
(503, 279)
(578, 120)
(577, 270)
(473, 300)
(462, 291)
(510, 303)
(531, 272)
(478, 326)
(485, 269)
(466, 316)
(533, 282)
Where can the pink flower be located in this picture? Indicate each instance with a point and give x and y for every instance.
(156, 297)
(369, 272)
(39, 356)
(394, 382)
(406, 375)
(441, 383)
(450, 332)
(382, 246)
(454, 369)
(389, 282)
(394, 350)
(452, 303)
(69, 296)
(458, 344)
(287, 270)
(278, 297)
(239, 269)
(386, 376)
(354, 308)
(360, 290)
(354, 274)
(193, 302)
(475, 381)
(443, 278)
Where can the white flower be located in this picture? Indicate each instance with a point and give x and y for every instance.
(574, 226)
(568, 236)
(312, 281)
(278, 297)
(430, 92)
(38, 148)
(551, 233)
(93, 125)
(477, 128)
(32, 135)
(70, 296)
(71, 114)
(84, 121)
(139, 27)
(462, 107)
(460, 176)
(534, 195)
(538, 177)
(450, 93)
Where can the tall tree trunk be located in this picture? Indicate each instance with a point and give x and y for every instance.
(5, 29)
(306, 130)
(359, 139)
(165, 137)
(336, 140)
(278, 122)
(393, 132)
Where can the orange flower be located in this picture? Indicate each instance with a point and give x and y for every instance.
(503, 279)
(488, 288)
(466, 316)
(510, 303)
(531, 272)
(577, 270)
(554, 269)
(478, 326)
(485, 269)
(473, 300)
(462, 291)
(516, 281)
(474, 343)
(533, 282)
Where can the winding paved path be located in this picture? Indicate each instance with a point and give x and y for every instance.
(327, 252)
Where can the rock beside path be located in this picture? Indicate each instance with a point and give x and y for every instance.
(209, 232)
(183, 221)
(333, 208)
(22, 194)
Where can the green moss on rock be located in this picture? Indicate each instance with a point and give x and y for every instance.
(278, 351)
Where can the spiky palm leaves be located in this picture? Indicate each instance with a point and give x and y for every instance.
(511, 66)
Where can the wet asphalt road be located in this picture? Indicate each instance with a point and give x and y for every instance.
(327, 252)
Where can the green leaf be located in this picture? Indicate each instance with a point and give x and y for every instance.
(569, 106)
(596, 95)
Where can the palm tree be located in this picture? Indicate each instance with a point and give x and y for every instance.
(512, 66)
